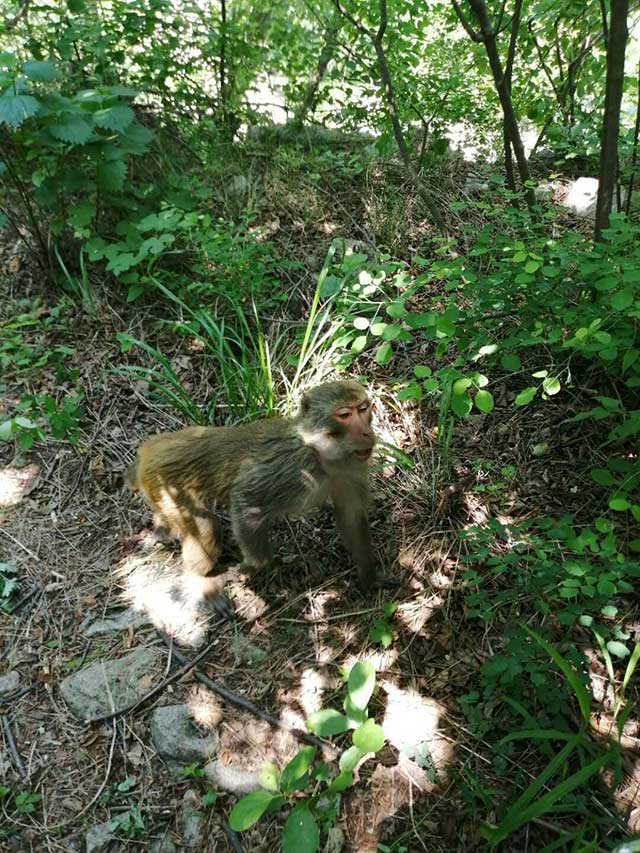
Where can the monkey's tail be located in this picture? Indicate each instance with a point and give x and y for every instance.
(132, 477)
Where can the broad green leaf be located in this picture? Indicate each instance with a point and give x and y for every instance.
(14, 109)
(623, 299)
(484, 401)
(381, 633)
(412, 392)
(118, 117)
(445, 327)
(461, 405)
(420, 321)
(361, 323)
(250, 809)
(377, 329)
(618, 649)
(551, 385)
(300, 833)
(384, 354)
(342, 781)
(422, 371)
(296, 768)
(40, 71)
(349, 758)
(526, 396)
(510, 362)
(362, 680)
(359, 344)
(460, 386)
(602, 477)
(81, 214)
(73, 129)
(111, 175)
(269, 776)
(396, 310)
(327, 722)
(531, 266)
(619, 504)
(369, 737)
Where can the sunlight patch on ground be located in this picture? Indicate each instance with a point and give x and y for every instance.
(415, 614)
(411, 724)
(204, 707)
(381, 659)
(17, 483)
(312, 686)
(173, 601)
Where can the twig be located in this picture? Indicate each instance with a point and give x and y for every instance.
(232, 837)
(13, 749)
(241, 702)
(19, 544)
(186, 666)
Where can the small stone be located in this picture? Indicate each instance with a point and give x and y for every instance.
(110, 686)
(335, 840)
(9, 683)
(176, 737)
(191, 821)
(162, 845)
(99, 837)
(232, 779)
(128, 618)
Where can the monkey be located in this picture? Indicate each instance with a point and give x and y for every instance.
(262, 471)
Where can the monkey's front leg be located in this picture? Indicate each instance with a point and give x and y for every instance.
(353, 526)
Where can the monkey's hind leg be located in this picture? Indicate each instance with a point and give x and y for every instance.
(200, 549)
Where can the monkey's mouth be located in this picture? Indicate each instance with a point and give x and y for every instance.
(363, 455)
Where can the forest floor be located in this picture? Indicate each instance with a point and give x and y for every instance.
(76, 536)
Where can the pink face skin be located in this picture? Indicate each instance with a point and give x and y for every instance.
(355, 419)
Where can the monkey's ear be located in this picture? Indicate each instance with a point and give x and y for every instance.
(304, 404)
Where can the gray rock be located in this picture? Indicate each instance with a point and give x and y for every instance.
(581, 198)
(108, 686)
(176, 737)
(129, 618)
(191, 821)
(335, 840)
(9, 683)
(232, 779)
(98, 837)
(162, 845)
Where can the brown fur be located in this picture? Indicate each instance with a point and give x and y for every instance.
(262, 471)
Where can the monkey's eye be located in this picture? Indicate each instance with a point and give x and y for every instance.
(345, 415)
(363, 407)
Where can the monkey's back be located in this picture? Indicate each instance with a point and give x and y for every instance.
(207, 460)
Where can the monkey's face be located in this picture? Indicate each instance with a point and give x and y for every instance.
(336, 420)
(352, 427)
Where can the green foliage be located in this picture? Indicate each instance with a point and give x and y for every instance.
(9, 587)
(302, 828)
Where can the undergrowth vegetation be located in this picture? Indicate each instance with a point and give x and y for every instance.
(161, 233)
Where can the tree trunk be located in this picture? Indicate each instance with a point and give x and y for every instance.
(616, 47)
(479, 9)
(308, 102)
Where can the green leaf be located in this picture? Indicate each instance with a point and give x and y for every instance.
(396, 310)
(369, 737)
(342, 781)
(602, 477)
(300, 833)
(551, 385)
(81, 214)
(269, 776)
(251, 808)
(295, 770)
(384, 354)
(526, 396)
(581, 692)
(359, 344)
(111, 175)
(619, 504)
(381, 633)
(461, 405)
(40, 71)
(623, 299)
(118, 117)
(484, 401)
(531, 266)
(362, 680)
(73, 129)
(14, 109)
(460, 386)
(327, 722)
(510, 362)
(618, 649)
(422, 371)
(349, 758)
(361, 323)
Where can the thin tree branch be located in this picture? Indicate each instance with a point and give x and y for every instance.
(473, 35)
